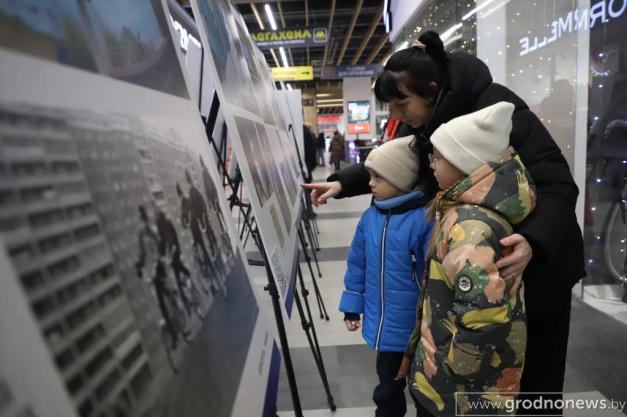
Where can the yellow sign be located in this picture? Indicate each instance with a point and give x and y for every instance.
(292, 74)
(297, 37)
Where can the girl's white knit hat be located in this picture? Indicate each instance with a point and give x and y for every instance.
(471, 140)
(396, 163)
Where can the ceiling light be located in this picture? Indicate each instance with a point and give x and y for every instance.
(284, 57)
(449, 32)
(476, 9)
(270, 17)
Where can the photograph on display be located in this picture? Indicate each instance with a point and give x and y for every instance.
(290, 179)
(255, 158)
(129, 41)
(255, 70)
(287, 140)
(273, 159)
(227, 52)
(114, 230)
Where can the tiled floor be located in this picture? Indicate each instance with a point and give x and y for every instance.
(596, 360)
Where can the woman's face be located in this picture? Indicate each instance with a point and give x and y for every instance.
(413, 110)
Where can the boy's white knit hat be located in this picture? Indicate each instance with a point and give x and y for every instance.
(471, 140)
(396, 163)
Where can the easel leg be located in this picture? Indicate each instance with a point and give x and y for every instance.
(313, 246)
(308, 325)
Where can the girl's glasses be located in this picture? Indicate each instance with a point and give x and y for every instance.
(433, 158)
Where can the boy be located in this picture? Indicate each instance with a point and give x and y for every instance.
(385, 266)
(468, 346)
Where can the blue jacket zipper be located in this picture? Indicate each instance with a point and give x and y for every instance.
(414, 264)
(385, 229)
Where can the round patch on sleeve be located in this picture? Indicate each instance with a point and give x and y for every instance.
(464, 284)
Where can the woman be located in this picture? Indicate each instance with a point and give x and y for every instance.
(425, 87)
(337, 149)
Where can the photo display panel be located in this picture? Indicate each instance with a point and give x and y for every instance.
(122, 275)
(262, 145)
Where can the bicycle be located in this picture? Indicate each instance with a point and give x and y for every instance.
(172, 323)
(609, 175)
(189, 294)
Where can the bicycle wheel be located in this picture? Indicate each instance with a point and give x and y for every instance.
(167, 339)
(204, 282)
(194, 296)
(615, 242)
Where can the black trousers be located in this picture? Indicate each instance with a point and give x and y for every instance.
(420, 410)
(545, 361)
(389, 395)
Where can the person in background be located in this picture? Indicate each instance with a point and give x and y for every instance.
(385, 267)
(337, 149)
(321, 144)
(311, 151)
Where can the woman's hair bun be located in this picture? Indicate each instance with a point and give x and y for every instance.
(434, 45)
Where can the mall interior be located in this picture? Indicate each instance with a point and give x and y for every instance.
(158, 255)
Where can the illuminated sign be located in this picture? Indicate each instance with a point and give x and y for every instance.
(349, 71)
(186, 36)
(291, 37)
(329, 119)
(583, 19)
(292, 73)
(358, 117)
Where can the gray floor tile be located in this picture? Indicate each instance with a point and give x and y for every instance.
(597, 348)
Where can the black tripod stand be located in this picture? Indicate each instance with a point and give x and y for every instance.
(307, 324)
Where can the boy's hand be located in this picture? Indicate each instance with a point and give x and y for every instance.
(352, 325)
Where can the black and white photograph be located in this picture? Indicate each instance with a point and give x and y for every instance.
(114, 230)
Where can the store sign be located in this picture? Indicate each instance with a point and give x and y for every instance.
(350, 71)
(291, 37)
(292, 73)
(329, 119)
(575, 21)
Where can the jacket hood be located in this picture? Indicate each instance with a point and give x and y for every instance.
(502, 185)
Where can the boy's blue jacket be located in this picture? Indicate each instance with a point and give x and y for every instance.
(385, 267)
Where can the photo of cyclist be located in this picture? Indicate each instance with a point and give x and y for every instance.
(212, 200)
(170, 249)
(151, 269)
